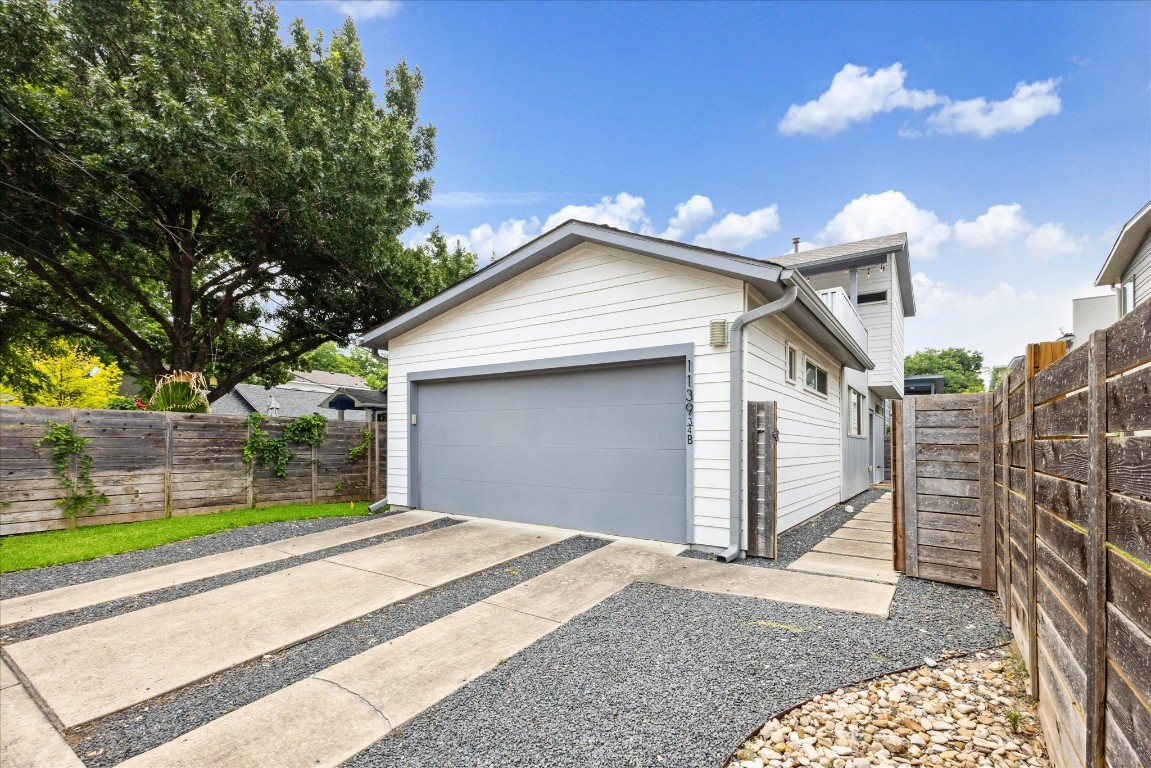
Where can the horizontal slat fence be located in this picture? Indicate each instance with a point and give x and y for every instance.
(1071, 548)
(153, 465)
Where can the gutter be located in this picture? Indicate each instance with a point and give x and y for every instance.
(735, 340)
(810, 299)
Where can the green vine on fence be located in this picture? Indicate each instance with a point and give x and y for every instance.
(268, 451)
(358, 450)
(81, 496)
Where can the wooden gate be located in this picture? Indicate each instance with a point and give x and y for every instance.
(945, 517)
(761, 479)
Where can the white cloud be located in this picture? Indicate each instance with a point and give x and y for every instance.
(735, 231)
(624, 211)
(856, 94)
(489, 242)
(1049, 240)
(484, 199)
(1001, 225)
(689, 216)
(369, 9)
(884, 214)
(984, 118)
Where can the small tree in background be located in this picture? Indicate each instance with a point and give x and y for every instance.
(962, 369)
(356, 361)
(60, 375)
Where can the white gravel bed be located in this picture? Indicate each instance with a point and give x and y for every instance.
(967, 712)
(19, 583)
(665, 677)
(60, 621)
(112, 739)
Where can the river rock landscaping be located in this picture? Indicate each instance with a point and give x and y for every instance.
(959, 712)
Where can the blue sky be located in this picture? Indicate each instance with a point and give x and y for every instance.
(1011, 140)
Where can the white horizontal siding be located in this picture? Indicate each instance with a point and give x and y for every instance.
(809, 449)
(586, 301)
(1140, 270)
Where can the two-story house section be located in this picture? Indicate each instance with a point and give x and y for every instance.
(868, 283)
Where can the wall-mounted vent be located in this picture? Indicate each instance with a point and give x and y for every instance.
(871, 298)
(718, 333)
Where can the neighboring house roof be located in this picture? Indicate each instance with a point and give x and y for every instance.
(771, 280)
(859, 253)
(357, 399)
(330, 380)
(247, 398)
(1132, 235)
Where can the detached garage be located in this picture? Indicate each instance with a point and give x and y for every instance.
(585, 381)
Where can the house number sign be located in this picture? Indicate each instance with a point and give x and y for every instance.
(689, 406)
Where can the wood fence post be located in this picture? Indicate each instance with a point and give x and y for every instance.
(251, 469)
(1096, 662)
(73, 464)
(987, 491)
(168, 503)
(315, 465)
(910, 509)
(897, 556)
(1006, 510)
(1029, 489)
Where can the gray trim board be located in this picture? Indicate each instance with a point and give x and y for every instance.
(685, 352)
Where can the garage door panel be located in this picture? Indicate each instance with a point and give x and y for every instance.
(598, 449)
(639, 515)
(600, 386)
(619, 426)
(623, 471)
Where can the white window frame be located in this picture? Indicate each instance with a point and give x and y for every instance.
(1126, 297)
(790, 352)
(818, 369)
(855, 413)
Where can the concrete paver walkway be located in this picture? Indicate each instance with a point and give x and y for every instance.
(861, 549)
(27, 738)
(96, 669)
(17, 609)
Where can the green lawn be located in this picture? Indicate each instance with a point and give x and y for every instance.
(35, 550)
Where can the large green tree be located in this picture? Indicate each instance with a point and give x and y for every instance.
(962, 369)
(194, 193)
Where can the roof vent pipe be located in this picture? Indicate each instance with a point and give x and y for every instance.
(795, 244)
(735, 436)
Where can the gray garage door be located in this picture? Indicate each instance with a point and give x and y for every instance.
(598, 449)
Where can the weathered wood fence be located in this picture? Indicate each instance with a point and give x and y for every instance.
(152, 465)
(946, 516)
(1071, 462)
(762, 488)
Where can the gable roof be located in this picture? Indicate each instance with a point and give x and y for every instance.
(357, 399)
(1132, 235)
(254, 397)
(858, 253)
(770, 279)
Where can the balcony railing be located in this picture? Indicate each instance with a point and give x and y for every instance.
(840, 305)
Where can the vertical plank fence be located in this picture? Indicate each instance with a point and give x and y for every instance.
(761, 486)
(1064, 465)
(152, 465)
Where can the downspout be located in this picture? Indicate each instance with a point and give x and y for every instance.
(735, 341)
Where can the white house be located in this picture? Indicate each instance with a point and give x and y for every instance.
(1127, 271)
(586, 380)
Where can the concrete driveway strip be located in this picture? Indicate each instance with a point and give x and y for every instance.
(784, 586)
(868, 525)
(403, 677)
(99, 668)
(27, 739)
(18, 609)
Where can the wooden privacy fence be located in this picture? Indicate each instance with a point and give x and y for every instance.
(152, 465)
(762, 433)
(1069, 454)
